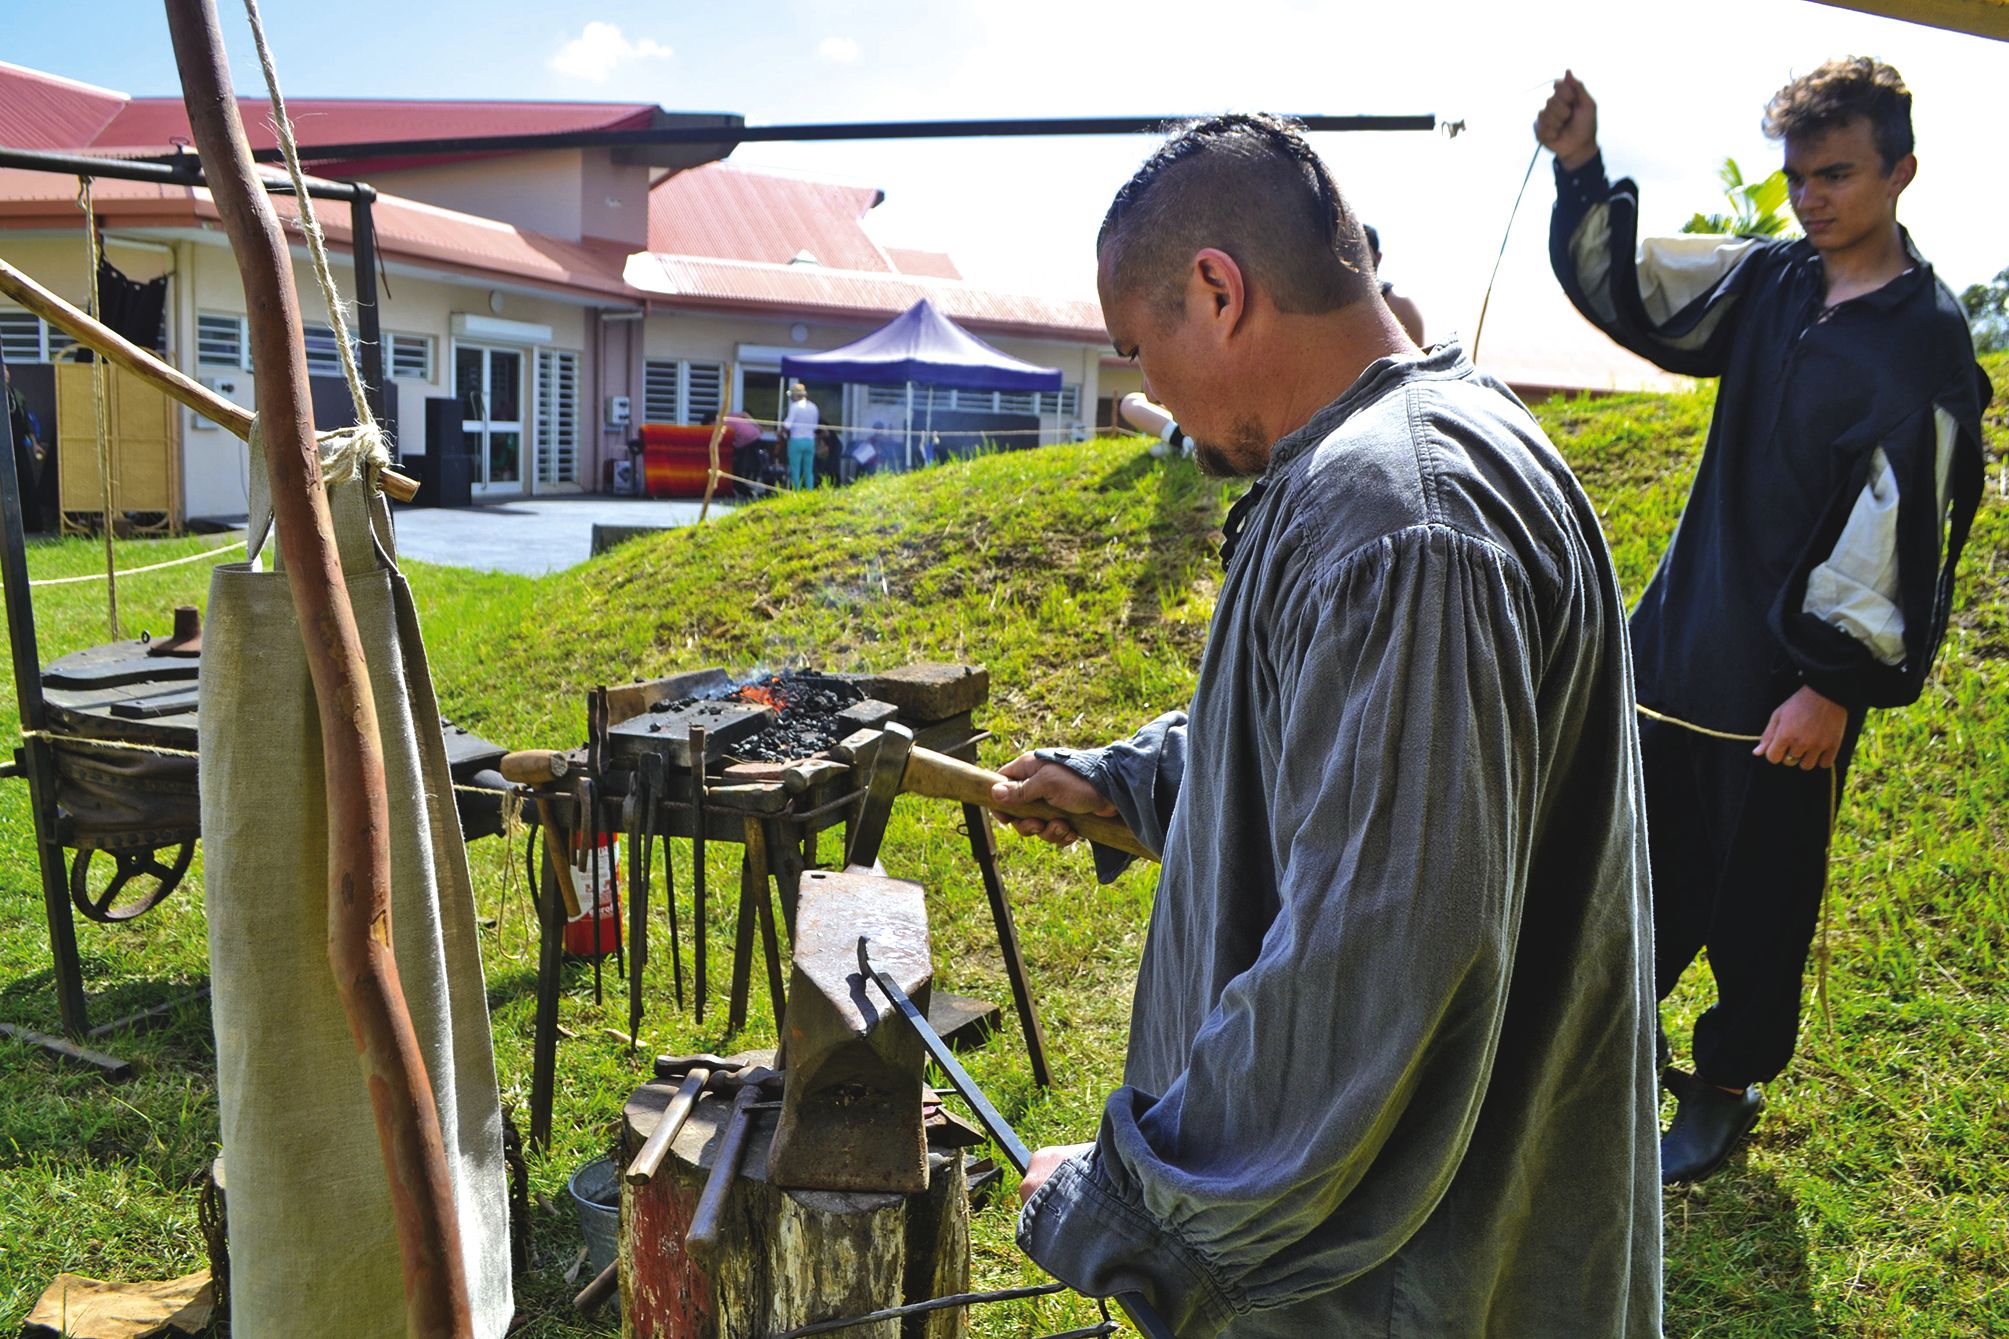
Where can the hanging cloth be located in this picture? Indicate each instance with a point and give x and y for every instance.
(313, 1246)
(131, 308)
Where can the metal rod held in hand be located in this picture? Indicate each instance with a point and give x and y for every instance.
(1141, 1313)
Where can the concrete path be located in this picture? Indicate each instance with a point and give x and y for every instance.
(530, 536)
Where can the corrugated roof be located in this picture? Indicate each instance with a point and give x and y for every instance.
(732, 214)
(43, 111)
(407, 230)
(812, 289)
(153, 124)
(933, 264)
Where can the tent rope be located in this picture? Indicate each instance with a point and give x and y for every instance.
(98, 398)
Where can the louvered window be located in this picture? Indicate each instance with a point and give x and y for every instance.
(674, 391)
(557, 417)
(220, 340)
(26, 338)
(703, 391)
(21, 336)
(323, 358)
(660, 396)
(410, 355)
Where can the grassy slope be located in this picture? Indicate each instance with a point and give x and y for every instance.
(1083, 577)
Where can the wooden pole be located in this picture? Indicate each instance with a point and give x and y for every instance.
(175, 384)
(359, 855)
(718, 431)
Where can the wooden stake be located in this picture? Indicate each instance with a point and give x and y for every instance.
(718, 431)
(359, 856)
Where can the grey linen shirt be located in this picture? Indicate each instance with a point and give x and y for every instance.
(1391, 1052)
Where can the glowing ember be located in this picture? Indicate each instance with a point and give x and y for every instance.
(763, 695)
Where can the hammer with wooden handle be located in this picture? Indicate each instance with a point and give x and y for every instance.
(941, 777)
(539, 768)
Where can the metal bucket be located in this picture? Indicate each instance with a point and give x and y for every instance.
(596, 1194)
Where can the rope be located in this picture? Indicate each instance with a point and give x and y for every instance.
(58, 737)
(1823, 951)
(1473, 352)
(130, 571)
(369, 445)
(890, 431)
(512, 824)
(98, 397)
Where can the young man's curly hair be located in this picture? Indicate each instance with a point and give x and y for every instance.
(1840, 91)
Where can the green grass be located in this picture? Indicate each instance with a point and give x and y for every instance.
(1869, 1203)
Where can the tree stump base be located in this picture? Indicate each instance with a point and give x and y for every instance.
(785, 1257)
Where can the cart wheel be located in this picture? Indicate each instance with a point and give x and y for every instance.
(137, 882)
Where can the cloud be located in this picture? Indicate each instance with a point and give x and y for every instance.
(601, 47)
(838, 50)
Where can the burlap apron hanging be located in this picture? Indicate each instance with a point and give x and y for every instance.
(313, 1249)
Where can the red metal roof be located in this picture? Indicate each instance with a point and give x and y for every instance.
(813, 289)
(406, 229)
(933, 264)
(733, 214)
(153, 124)
(42, 111)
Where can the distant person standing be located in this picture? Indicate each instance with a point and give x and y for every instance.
(1406, 311)
(798, 429)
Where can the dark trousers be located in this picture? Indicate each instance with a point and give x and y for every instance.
(1738, 848)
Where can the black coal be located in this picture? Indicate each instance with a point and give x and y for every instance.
(807, 707)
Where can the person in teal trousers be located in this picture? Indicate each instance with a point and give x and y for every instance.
(798, 429)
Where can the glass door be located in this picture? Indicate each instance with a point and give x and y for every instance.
(489, 382)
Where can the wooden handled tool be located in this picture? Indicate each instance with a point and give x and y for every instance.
(596, 1294)
(649, 1158)
(534, 767)
(702, 1239)
(556, 846)
(941, 777)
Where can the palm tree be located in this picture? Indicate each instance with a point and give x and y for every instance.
(1759, 206)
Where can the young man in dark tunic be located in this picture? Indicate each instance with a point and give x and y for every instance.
(1812, 571)
(1391, 1054)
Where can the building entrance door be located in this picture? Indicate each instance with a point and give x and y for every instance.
(489, 382)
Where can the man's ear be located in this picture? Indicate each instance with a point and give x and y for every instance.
(1220, 288)
(1902, 173)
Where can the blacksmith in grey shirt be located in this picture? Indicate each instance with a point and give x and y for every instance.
(1391, 1057)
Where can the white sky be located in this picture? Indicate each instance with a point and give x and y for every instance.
(1679, 86)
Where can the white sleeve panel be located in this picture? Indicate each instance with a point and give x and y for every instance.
(1855, 590)
(1590, 252)
(1946, 432)
(1674, 271)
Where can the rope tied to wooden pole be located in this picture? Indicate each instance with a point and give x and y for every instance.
(360, 947)
(99, 398)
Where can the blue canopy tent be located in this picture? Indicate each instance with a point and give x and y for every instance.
(922, 346)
